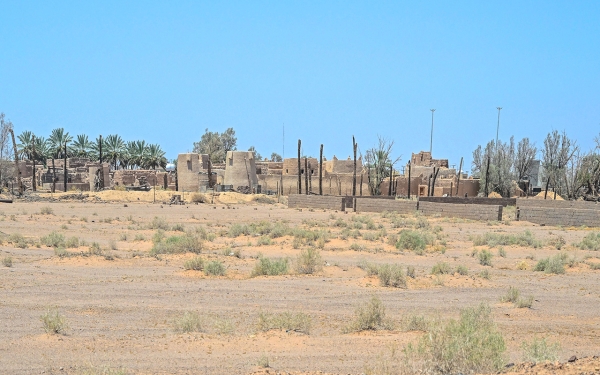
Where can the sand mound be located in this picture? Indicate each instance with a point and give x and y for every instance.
(550, 196)
(494, 195)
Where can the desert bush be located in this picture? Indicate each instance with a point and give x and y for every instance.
(522, 265)
(590, 242)
(279, 230)
(558, 242)
(357, 247)
(370, 268)
(422, 223)
(511, 296)
(61, 252)
(196, 264)
(471, 344)
(7, 261)
(123, 237)
(214, 268)
(593, 266)
(391, 275)
(415, 323)
(540, 350)
(289, 321)
(53, 239)
(54, 322)
(485, 274)
(112, 244)
(178, 228)
(441, 268)
(554, 264)
(462, 270)
(340, 223)
(263, 241)
(410, 271)
(309, 261)
(46, 210)
(190, 321)
(369, 236)
(526, 302)
(525, 239)
(198, 198)
(236, 230)
(95, 249)
(177, 244)
(228, 251)
(139, 237)
(158, 223)
(501, 252)
(270, 267)
(263, 361)
(485, 257)
(413, 240)
(72, 242)
(18, 240)
(369, 316)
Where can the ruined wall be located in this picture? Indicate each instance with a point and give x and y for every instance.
(189, 167)
(465, 211)
(381, 205)
(475, 200)
(316, 201)
(342, 166)
(424, 159)
(442, 186)
(332, 185)
(290, 166)
(240, 169)
(129, 177)
(560, 216)
(549, 203)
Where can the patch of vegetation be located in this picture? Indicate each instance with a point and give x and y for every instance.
(54, 322)
(525, 239)
(72, 242)
(410, 271)
(214, 268)
(501, 252)
(485, 257)
(289, 321)
(309, 261)
(471, 344)
(190, 321)
(46, 210)
(139, 237)
(370, 316)
(270, 267)
(263, 361)
(540, 350)
(159, 223)
(441, 268)
(415, 323)
(198, 198)
(357, 247)
(391, 275)
(176, 245)
(53, 239)
(178, 228)
(7, 261)
(462, 270)
(552, 265)
(263, 241)
(414, 240)
(558, 242)
(196, 264)
(511, 296)
(590, 242)
(485, 274)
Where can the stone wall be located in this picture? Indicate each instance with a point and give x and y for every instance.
(465, 211)
(290, 166)
(189, 168)
(240, 169)
(129, 177)
(316, 201)
(474, 200)
(332, 185)
(550, 203)
(380, 205)
(560, 216)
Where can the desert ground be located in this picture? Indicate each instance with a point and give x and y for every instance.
(114, 268)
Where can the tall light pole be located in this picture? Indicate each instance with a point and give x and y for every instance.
(498, 127)
(431, 140)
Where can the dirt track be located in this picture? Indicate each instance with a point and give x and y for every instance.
(120, 312)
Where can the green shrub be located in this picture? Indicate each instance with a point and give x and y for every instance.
(391, 275)
(270, 267)
(53, 239)
(501, 252)
(462, 270)
(196, 264)
(46, 210)
(539, 350)
(415, 323)
(177, 244)
(158, 223)
(61, 252)
(485, 274)
(558, 242)
(178, 228)
(95, 249)
(289, 321)
(369, 316)
(590, 242)
(7, 261)
(526, 302)
(190, 321)
(214, 268)
(236, 230)
(552, 265)
(54, 322)
(139, 237)
(357, 247)
(511, 296)
(72, 242)
(471, 344)
(525, 239)
(485, 257)
(309, 261)
(370, 268)
(279, 230)
(410, 271)
(441, 268)
(413, 240)
(263, 241)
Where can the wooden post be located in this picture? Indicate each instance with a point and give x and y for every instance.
(53, 176)
(17, 171)
(436, 171)
(309, 178)
(321, 171)
(451, 188)
(409, 179)
(459, 173)
(209, 165)
(487, 177)
(354, 172)
(101, 166)
(65, 168)
(361, 183)
(429, 186)
(391, 178)
(299, 169)
(33, 154)
(306, 175)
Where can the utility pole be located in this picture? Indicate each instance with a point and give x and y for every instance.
(498, 127)
(431, 140)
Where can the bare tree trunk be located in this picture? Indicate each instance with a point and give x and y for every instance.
(17, 170)
(436, 171)
(53, 176)
(299, 169)
(409, 179)
(429, 186)
(65, 168)
(354, 173)
(33, 153)
(101, 166)
(306, 172)
(459, 173)
(547, 184)
(321, 171)
(210, 181)
(487, 176)
(310, 179)
(361, 183)
(391, 179)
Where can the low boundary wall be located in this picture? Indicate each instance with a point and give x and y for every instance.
(474, 200)
(465, 211)
(316, 201)
(560, 216)
(380, 205)
(551, 203)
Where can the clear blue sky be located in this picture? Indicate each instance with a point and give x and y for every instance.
(165, 71)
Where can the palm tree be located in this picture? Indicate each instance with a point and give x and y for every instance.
(95, 149)
(155, 157)
(115, 149)
(137, 151)
(25, 147)
(82, 146)
(42, 150)
(57, 143)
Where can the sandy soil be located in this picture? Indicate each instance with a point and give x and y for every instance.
(121, 306)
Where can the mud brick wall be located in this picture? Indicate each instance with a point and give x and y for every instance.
(560, 216)
(316, 201)
(475, 200)
(465, 211)
(380, 205)
(550, 203)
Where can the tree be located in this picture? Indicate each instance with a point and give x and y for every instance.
(276, 157)
(499, 176)
(154, 157)
(257, 156)
(216, 145)
(81, 146)
(526, 153)
(114, 150)
(57, 140)
(26, 145)
(6, 150)
(378, 161)
(557, 153)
